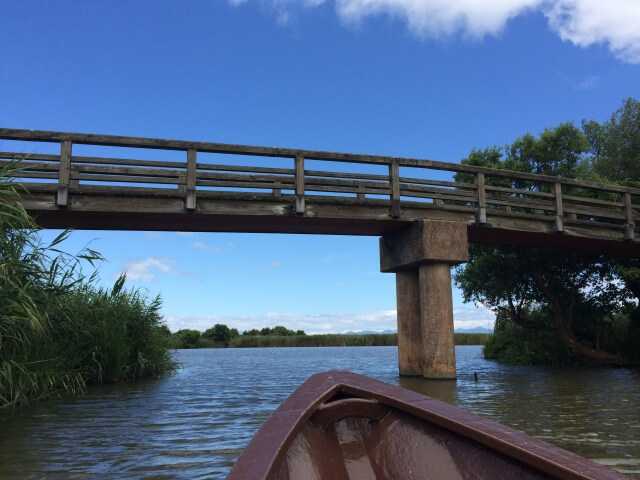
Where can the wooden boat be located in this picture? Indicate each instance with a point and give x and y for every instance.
(340, 425)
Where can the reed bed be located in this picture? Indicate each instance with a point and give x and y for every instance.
(338, 340)
(59, 331)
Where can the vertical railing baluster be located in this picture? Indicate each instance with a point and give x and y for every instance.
(481, 199)
(394, 177)
(630, 233)
(558, 206)
(190, 199)
(299, 167)
(64, 172)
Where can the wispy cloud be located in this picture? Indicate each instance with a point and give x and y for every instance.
(466, 317)
(206, 248)
(147, 269)
(589, 83)
(584, 23)
(584, 84)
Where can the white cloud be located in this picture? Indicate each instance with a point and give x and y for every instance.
(147, 269)
(438, 18)
(589, 22)
(581, 22)
(327, 323)
(206, 248)
(470, 316)
(466, 316)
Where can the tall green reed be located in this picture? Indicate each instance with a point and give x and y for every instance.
(59, 330)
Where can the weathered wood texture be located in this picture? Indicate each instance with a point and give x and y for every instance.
(425, 241)
(422, 255)
(410, 342)
(436, 304)
(313, 187)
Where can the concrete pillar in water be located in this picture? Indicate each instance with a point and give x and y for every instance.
(422, 256)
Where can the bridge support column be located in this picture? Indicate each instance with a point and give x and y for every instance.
(422, 256)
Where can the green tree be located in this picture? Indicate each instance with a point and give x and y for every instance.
(186, 338)
(219, 333)
(281, 331)
(615, 145)
(573, 296)
(615, 157)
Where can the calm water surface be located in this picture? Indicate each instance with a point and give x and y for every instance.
(195, 423)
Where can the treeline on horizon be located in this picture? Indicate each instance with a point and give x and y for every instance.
(221, 336)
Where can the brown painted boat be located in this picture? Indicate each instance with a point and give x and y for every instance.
(340, 425)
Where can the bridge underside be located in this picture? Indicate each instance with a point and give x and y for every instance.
(234, 214)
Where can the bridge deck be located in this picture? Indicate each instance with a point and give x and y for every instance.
(110, 182)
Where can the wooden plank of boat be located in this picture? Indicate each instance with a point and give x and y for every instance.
(340, 425)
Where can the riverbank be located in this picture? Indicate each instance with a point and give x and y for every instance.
(333, 340)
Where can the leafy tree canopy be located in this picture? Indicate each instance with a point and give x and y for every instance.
(586, 303)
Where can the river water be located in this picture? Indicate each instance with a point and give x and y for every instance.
(195, 423)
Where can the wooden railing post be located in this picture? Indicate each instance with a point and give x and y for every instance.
(630, 233)
(190, 198)
(64, 173)
(300, 205)
(481, 199)
(394, 177)
(558, 207)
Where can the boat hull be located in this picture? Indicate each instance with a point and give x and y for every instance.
(340, 425)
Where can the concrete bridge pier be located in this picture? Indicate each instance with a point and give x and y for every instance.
(421, 256)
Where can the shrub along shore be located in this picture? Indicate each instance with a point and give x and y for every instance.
(59, 330)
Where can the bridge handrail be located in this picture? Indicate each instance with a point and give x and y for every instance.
(479, 196)
(211, 147)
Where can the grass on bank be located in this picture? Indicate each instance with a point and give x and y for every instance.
(59, 330)
(326, 340)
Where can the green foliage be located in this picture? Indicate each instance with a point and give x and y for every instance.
(58, 330)
(328, 340)
(517, 345)
(560, 306)
(615, 145)
(219, 334)
(186, 338)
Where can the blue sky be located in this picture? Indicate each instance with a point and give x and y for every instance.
(427, 79)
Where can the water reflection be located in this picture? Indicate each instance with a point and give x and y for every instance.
(195, 424)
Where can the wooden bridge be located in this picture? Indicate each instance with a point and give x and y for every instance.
(425, 211)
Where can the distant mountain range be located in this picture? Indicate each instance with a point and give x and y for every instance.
(457, 330)
(473, 330)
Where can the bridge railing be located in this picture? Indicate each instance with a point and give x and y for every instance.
(211, 170)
